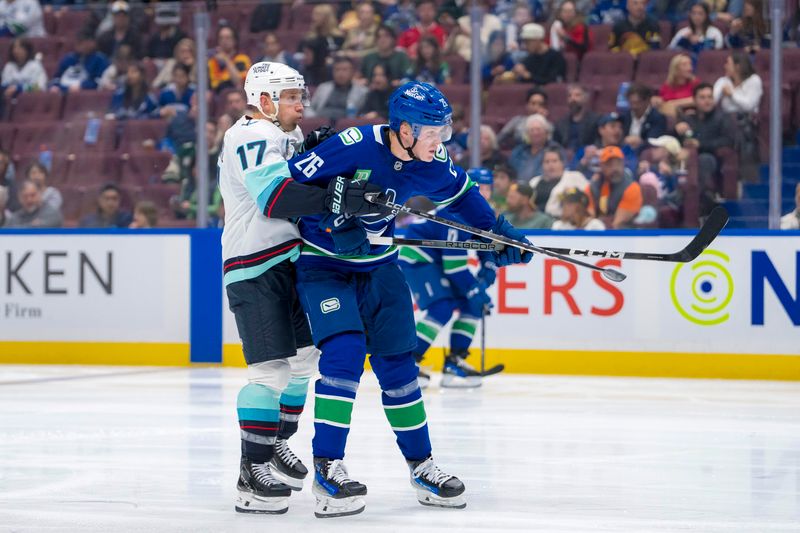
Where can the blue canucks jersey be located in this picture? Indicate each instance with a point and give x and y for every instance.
(363, 153)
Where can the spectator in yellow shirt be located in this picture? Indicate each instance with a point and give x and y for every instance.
(228, 67)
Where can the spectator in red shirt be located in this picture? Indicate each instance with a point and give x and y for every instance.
(426, 26)
(569, 33)
(677, 91)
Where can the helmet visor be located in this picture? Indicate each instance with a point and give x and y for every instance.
(292, 97)
(432, 133)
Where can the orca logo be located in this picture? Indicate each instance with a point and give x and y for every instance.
(330, 305)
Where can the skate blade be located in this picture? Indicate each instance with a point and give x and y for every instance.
(291, 482)
(336, 507)
(458, 382)
(249, 503)
(431, 500)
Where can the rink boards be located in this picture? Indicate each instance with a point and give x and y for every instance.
(153, 298)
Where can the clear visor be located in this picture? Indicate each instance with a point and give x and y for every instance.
(293, 97)
(432, 133)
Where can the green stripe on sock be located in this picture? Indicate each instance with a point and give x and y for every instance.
(453, 264)
(427, 331)
(333, 410)
(407, 417)
(413, 255)
(465, 328)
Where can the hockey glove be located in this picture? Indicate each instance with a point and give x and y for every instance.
(316, 137)
(347, 196)
(488, 270)
(510, 255)
(478, 302)
(349, 236)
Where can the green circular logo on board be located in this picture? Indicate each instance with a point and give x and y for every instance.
(711, 289)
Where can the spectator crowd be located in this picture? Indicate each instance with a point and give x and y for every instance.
(597, 113)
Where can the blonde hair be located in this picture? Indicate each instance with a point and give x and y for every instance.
(329, 25)
(490, 133)
(673, 68)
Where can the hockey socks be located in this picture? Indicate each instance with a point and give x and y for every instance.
(292, 402)
(333, 408)
(436, 316)
(405, 412)
(258, 410)
(462, 332)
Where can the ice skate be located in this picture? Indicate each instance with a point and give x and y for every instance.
(336, 493)
(457, 373)
(287, 467)
(259, 491)
(434, 487)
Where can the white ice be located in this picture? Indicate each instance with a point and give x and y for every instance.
(130, 449)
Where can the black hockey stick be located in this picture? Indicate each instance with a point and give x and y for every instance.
(610, 273)
(713, 225)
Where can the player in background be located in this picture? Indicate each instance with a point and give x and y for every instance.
(442, 283)
(360, 303)
(259, 244)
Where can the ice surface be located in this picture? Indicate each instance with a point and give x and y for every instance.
(140, 449)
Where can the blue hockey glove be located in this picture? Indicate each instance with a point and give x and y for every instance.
(478, 302)
(349, 236)
(488, 270)
(510, 255)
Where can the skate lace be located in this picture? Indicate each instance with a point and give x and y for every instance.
(263, 474)
(338, 472)
(431, 473)
(286, 455)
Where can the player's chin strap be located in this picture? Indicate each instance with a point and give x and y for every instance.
(408, 149)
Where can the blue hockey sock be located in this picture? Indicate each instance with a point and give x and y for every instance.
(403, 405)
(258, 410)
(436, 316)
(292, 402)
(341, 365)
(462, 332)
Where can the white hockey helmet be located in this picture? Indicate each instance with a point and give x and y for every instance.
(272, 78)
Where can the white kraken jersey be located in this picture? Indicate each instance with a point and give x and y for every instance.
(253, 169)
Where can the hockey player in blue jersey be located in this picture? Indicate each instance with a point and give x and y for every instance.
(360, 303)
(441, 282)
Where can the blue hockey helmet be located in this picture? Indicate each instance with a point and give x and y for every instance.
(481, 175)
(420, 105)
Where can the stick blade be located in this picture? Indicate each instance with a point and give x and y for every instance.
(714, 224)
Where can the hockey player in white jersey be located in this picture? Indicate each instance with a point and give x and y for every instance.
(259, 244)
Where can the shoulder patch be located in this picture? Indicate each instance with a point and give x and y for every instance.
(351, 136)
(441, 154)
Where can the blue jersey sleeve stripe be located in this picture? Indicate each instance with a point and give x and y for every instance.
(261, 182)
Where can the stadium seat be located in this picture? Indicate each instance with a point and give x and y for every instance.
(92, 169)
(36, 107)
(457, 93)
(70, 21)
(665, 31)
(459, 68)
(301, 18)
(601, 33)
(313, 123)
(144, 167)
(506, 100)
(606, 68)
(290, 40)
(135, 133)
(572, 67)
(76, 133)
(5, 46)
(344, 123)
(6, 136)
(711, 65)
(653, 66)
(47, 46)
(33, 137)
(81, 104)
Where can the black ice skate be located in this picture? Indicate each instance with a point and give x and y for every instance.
(457, 373)
(259, 491)
(434, 487)
(336, 493)
(287, 467)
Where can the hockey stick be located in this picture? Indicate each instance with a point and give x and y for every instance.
(713, 225)
(610, 273)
